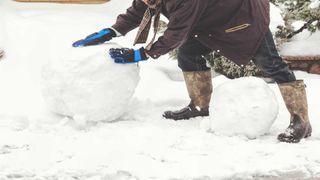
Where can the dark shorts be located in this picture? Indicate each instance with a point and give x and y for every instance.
(190, 58)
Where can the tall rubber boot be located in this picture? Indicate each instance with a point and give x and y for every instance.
(199, 85)
(295, 98)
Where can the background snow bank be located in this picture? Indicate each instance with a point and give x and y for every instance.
(87, 85)
(244, 106)
(304, 43)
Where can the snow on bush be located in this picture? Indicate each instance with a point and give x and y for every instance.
(245, 106)
(87, 85)
(275, 18)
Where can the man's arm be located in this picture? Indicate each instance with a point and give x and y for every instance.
(131, 19)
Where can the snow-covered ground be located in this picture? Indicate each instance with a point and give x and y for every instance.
(36, 144)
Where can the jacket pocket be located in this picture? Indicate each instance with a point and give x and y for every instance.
(237, 28)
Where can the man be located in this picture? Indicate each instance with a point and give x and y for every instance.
(236, 29)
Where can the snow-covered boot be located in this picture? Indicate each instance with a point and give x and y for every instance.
(199, 85)
(295, 98)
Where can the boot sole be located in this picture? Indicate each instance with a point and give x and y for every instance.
(291, 140)
(308, 135)
(189, 118)
(185, 116)
(183, 119)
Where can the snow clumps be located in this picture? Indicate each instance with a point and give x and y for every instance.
(245, 106)
(87, 85)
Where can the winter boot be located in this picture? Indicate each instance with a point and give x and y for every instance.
(199, 85)
(295, 98)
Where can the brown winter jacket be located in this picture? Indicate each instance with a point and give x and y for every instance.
(235, 28)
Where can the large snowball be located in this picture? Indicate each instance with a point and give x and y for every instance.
(245, 106)
(87, 85)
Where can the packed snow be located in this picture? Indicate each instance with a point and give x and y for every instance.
(140, 144)
(244, 106)
(87, 85)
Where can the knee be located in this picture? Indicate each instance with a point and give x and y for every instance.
(285, 77)
(184, 61)
(279, 70)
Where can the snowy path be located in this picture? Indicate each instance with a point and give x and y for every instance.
(151, 150)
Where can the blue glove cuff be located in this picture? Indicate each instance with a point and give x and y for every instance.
(99, 34)
(92, 37)
(137, 55)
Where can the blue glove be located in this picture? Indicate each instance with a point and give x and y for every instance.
(96, 38)
(126, 55)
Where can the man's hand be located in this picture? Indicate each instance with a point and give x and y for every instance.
(126, 55)
(96, 38)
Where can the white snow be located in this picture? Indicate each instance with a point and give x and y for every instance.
(87, 85)
(304, 43)
(314, 4)
(244, 106)
(275, 18)
(36, 144)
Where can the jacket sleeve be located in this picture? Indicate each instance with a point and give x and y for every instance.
(131, 19)
(183, 18)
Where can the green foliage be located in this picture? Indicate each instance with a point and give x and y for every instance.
(227, 67)
(224, 66)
